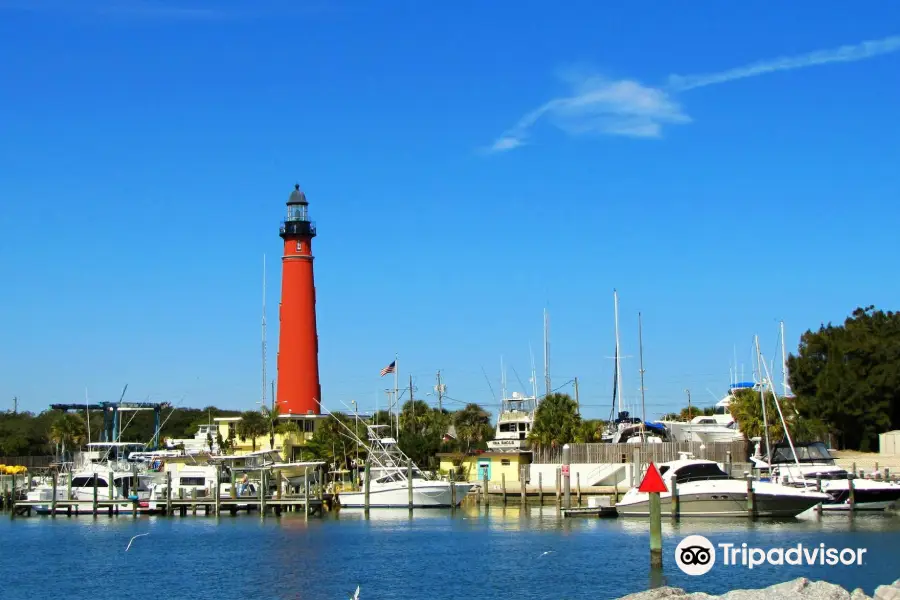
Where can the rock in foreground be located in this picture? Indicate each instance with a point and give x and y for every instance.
(798, 589)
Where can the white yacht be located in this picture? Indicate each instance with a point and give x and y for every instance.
(514, 424)
(705, 490)
(801, 464)
(107, 463)
(717, 427)
(389, 484)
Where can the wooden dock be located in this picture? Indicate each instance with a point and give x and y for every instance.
(176, 506)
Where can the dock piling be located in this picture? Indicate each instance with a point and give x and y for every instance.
(168, 493)
(95, 503)
(217, 494)
(53, 498)
(409, 482)
(540, 490)
(751, 497)
(567, 483)
(656, 559)
(676, 503)
(484, 488)
(366, 489)
(503, 487)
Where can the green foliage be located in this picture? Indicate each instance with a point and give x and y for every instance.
(333, 441)
(252, 425)
(473, 428)
(848, 376)
(746, 408)
(590, 431)
(556, 422)
(68, 431)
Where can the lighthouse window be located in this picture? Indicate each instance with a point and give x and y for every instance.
(299, 246)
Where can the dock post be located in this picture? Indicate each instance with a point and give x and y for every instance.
(168, 493)
(540, 489)
(112, 488)
(578, 487)
(751, 497)
(851, 498)
(262, 494)
(69, 485)
(728, 462)
(452, 489)
(522, 488)
(94, 504)
(53, 498)
(887, 474)
(656, 559)
(853, 469)
(484, 488)
(233, 484)
(819, 489)
(278, 485)
(305, 493)
(366, 488)
(503, 487)
(12, 499)
(217, 495)
(567, 477)
(676, 503)
(194, 501)
(558, 487)
(409, 482)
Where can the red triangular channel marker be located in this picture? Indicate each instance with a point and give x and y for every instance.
(652, 481)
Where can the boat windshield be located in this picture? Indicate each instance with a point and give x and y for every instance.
(699, 472)
(806, 453)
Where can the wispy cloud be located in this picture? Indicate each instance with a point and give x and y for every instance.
(628, 108)
(848, 53)
(137, 9)
(600, 106)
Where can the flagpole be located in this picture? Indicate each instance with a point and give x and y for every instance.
(396, 392)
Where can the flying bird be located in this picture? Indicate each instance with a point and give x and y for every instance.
(134, 538)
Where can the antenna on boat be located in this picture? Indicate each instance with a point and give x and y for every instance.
(533, 373)
(263, 401)
(784, 372)
(618, 353)
(546, 353)
(502, 380)
(641, 353)
(87, 414)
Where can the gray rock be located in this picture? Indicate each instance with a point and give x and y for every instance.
(800, 588)
(887, 592)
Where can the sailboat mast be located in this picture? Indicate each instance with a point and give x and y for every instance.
(546, 353)
(784, 374)
(762, 399)
(618, 354)
(533, 374)
(264, 382)
(641, 355)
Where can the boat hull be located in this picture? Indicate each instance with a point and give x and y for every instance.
(430, 495)
(727, 498)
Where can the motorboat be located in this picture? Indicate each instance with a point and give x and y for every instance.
(705, 490)
(707, 429)
(389, 479)
(801, 464)
(514, 424)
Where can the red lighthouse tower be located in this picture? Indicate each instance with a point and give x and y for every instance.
(298, 343)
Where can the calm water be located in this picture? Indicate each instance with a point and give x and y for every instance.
(433, 556)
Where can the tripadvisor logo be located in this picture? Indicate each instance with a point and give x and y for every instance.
(696, 555)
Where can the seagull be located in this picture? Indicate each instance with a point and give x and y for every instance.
(134, 538)
(546, 553)
(355, 595)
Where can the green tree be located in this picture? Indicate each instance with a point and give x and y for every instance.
(556, 421)
(473, 427)
(849, 377)
(252, 425)
(271, 414)
(746, 408)
(590, 431)
(333, 441)
(68, 430)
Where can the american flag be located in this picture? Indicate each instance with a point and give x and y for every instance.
(389, 369)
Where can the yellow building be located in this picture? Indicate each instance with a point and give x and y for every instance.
(494, 465)
(289, 445)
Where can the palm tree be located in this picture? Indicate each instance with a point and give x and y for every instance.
(67, 430)
(252, 425)
(473, 425)
(271, 416)
(556, 421)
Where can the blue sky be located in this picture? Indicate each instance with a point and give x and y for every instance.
(723, 165)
